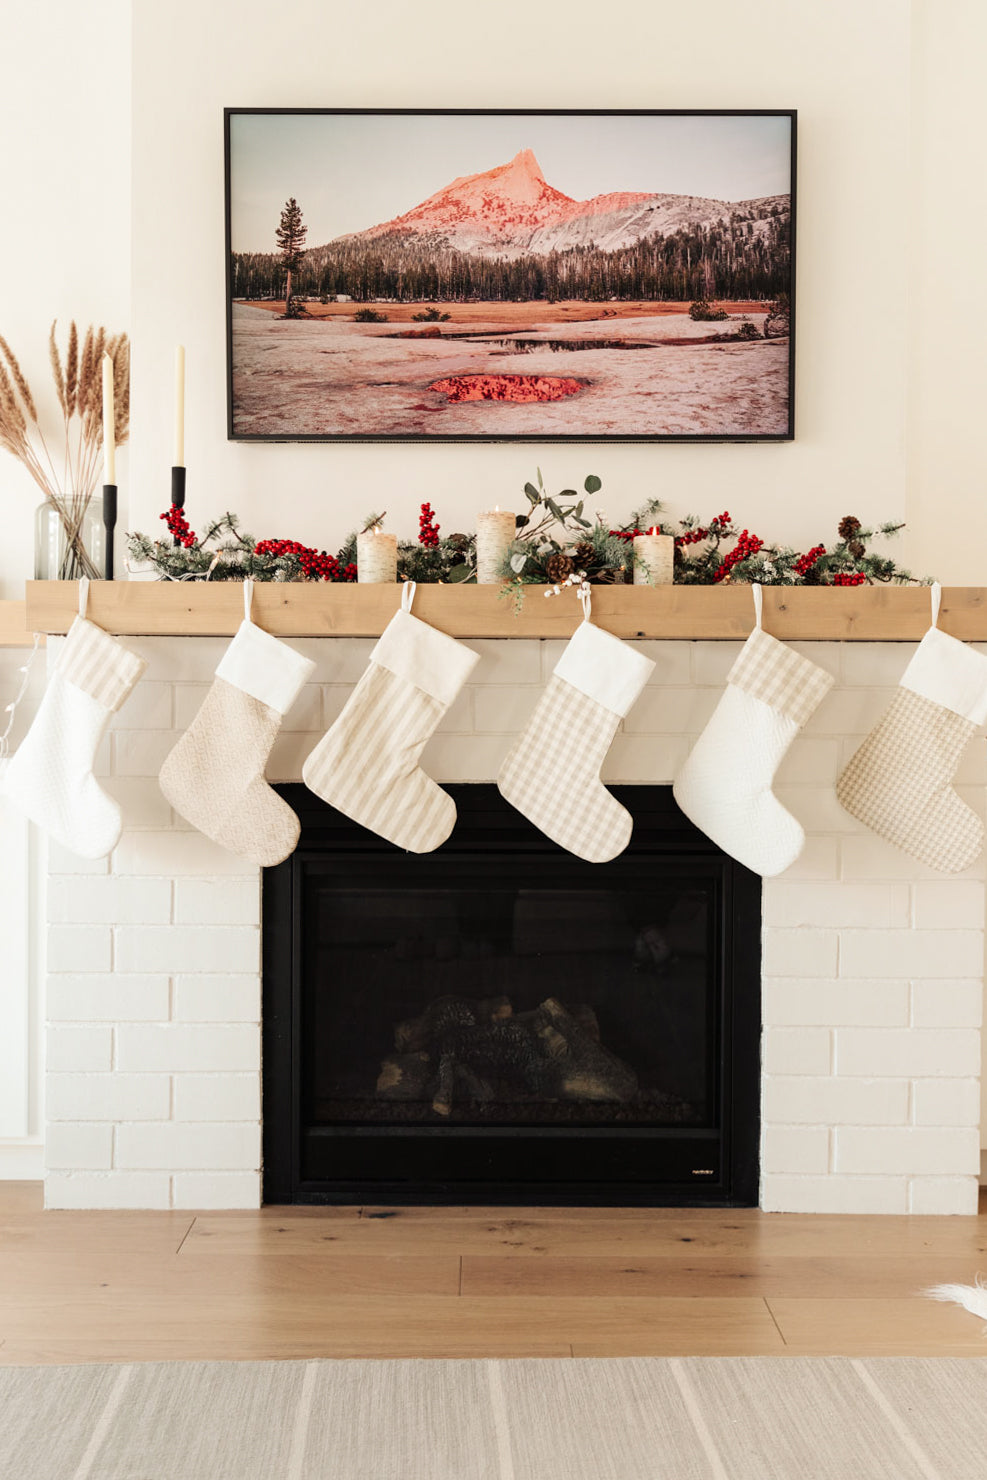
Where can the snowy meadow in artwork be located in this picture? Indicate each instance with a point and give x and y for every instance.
(437, 276)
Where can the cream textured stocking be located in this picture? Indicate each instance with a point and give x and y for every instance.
(552, 773)
(725, 785)
(215, 775)
(50, 779)
(366, 766)
(900, 781)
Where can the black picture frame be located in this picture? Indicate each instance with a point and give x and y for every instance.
(238, 433)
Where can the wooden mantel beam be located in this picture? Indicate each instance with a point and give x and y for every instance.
(806, 614)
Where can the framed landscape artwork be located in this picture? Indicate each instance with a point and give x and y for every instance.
(437, 276)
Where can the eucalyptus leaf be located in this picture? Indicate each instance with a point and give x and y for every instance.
(593, 484)
(459, 573)
(518, 562)
(553, 508)
(532, 492)
(583, 523)
(541, 483)
(568, 493)
(521, 521)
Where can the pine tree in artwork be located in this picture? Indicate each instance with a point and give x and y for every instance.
(290, 237)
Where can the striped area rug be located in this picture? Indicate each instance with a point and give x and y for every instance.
(738, 1418)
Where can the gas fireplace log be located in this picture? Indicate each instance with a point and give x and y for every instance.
(477, 1051)
(406, 1076)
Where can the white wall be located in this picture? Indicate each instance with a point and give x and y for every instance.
(844, 65)
(65, 233)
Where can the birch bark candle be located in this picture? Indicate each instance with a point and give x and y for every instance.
(654, 559)
(494, 537)
(376, 556)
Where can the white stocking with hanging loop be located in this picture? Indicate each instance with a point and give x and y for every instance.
(552, 773)
(50, 779)
(725, 786)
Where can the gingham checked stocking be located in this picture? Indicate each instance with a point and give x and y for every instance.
(552, 774)
(366, 766)
(725, 785)
(900, 781)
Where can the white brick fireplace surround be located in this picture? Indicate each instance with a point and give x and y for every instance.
(873, 966)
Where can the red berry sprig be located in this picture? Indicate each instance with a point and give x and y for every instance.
(692, 537)
(179, 527)
(316, 565)
(428, 530)
(856, 578)
(746, 546)
(805, 562)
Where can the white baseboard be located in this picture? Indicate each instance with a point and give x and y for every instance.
(22, 1163)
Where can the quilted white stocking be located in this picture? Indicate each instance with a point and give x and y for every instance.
(725, 785)
(50, 779)
(552, 774)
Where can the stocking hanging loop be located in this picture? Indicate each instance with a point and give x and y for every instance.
(758, 604)
(407, 595)
(936, 602)
(83, 596)
(586, 599)
(248, 597)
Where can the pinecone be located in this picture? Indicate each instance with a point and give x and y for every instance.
(585, 555)
(857, 549)
(847, 528)
(558, 567)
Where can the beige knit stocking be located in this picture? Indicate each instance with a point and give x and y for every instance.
(215, 775)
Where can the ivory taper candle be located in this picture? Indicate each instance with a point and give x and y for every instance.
(178, 461)
(654, 559)
(494, 536)
(376, 556)
(109, 422)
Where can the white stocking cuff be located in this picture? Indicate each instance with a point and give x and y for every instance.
(604, 668)
(949, 673)
(264, 668)
(430, 659)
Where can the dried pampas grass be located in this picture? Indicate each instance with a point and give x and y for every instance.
(78, 381)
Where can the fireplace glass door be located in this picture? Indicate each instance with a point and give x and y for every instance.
(500, 1021)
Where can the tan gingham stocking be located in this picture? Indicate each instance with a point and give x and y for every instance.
(552, 773)
(900, 782)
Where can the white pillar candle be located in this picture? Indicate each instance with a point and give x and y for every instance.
(494, 537)
(178, 461)
(654, 559)
(376, 556)
(109, 433)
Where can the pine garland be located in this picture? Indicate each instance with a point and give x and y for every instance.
(556, 546)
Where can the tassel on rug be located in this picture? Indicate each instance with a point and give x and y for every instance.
(972, 1297)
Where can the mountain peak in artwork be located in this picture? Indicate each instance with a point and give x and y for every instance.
(511, 209)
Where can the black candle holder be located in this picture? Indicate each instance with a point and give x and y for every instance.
(109, 525)
(178, 488)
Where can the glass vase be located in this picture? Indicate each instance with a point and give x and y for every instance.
(69, 540)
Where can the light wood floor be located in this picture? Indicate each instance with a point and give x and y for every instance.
(474, 1282)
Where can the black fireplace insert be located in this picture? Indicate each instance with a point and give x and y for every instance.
(498, 1022)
